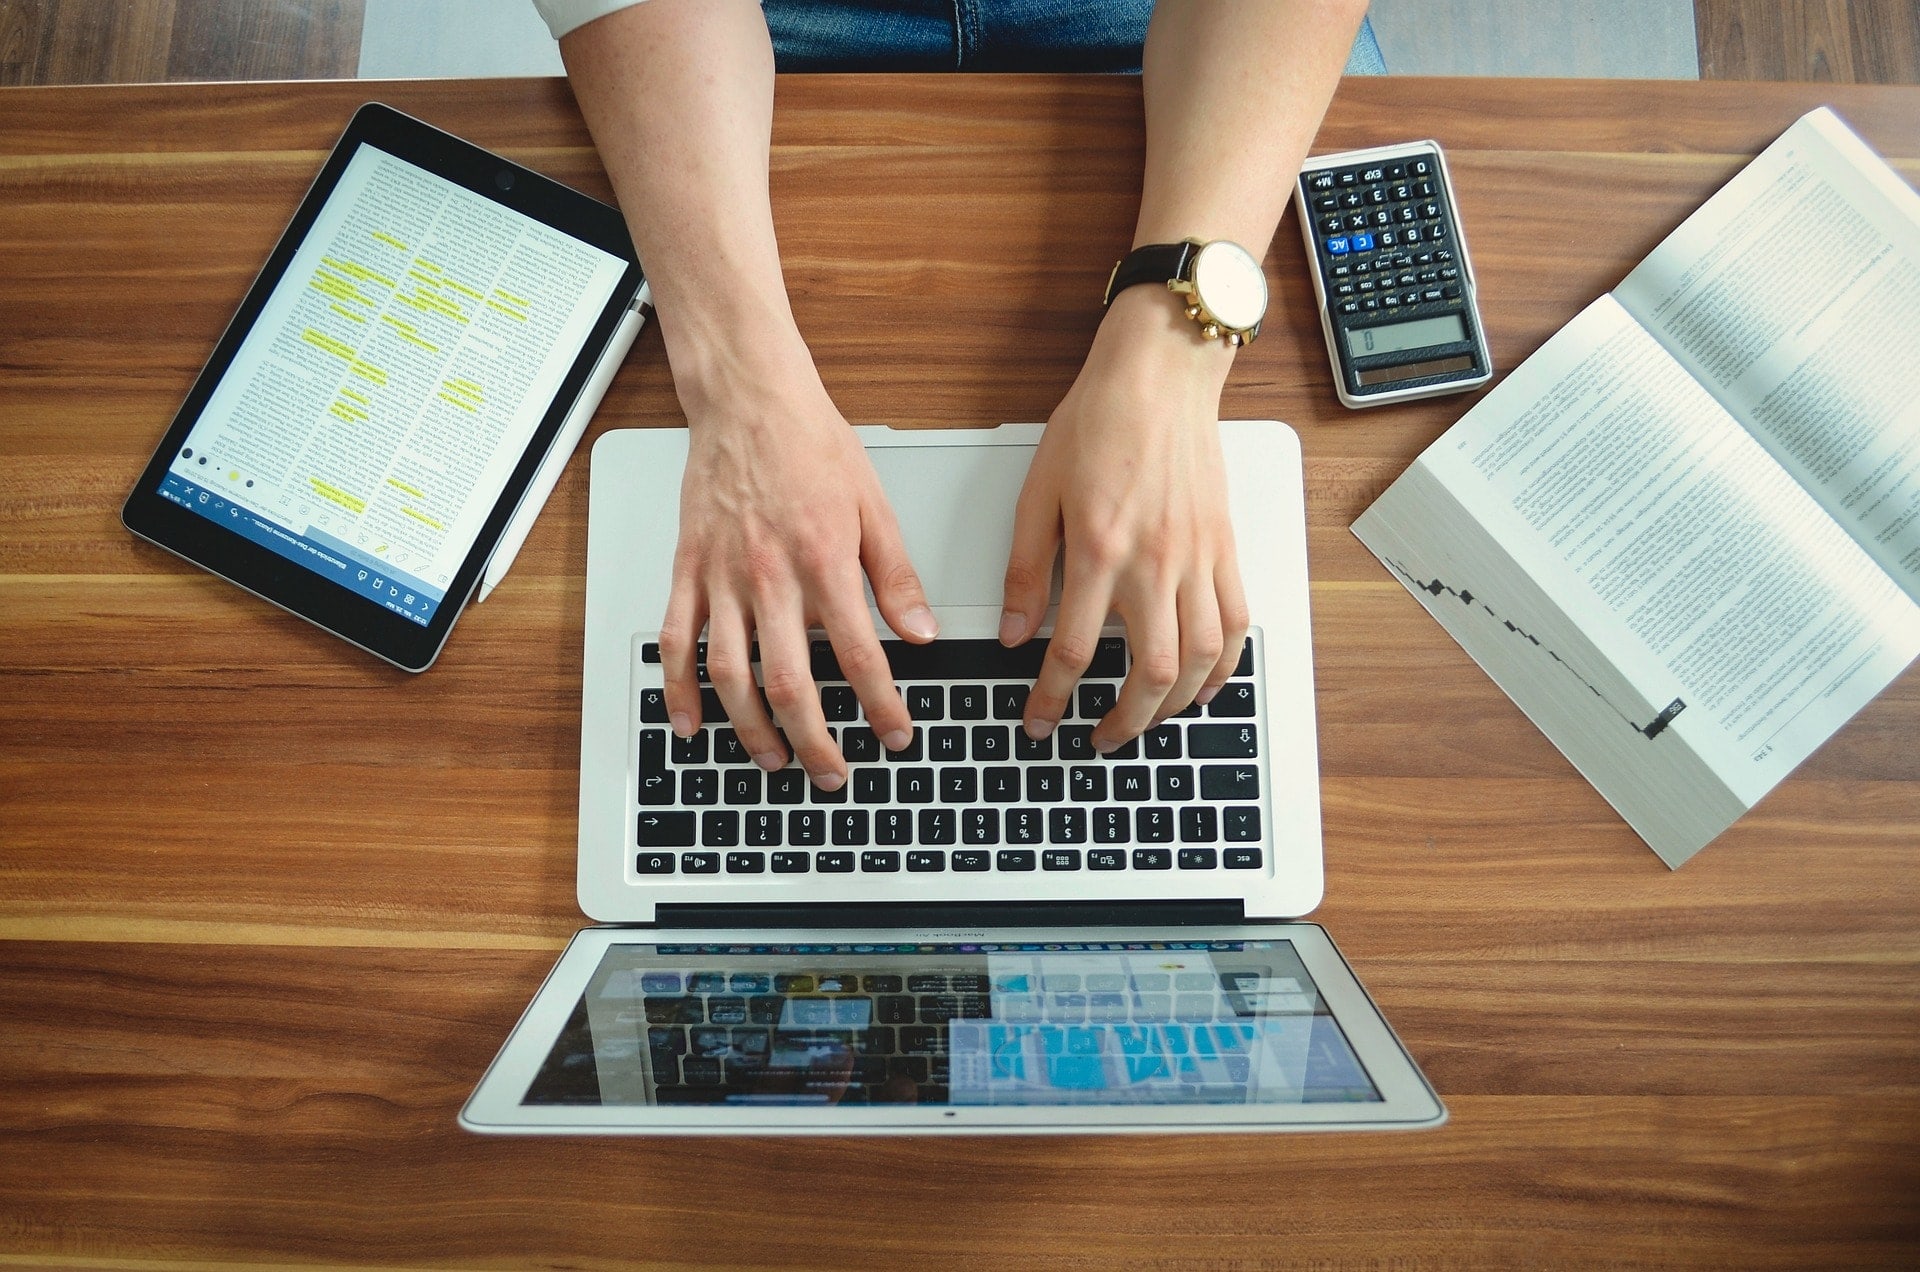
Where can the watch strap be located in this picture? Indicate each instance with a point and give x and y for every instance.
(1155, 263)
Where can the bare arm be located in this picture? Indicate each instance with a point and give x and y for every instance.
(1129, 479)
(780, 510)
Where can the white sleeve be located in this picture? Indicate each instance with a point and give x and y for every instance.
(564, 15)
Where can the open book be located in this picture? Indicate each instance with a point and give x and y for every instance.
(1684, 536)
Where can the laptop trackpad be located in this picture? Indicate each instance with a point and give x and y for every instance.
(955, 507)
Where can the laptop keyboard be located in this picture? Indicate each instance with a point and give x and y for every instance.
(972, 793)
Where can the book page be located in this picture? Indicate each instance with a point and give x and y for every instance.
(1793, 295)
(1712, 598)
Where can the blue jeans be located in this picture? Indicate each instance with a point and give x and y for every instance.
(978, 35)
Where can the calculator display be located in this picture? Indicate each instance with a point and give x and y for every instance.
(1421, 333)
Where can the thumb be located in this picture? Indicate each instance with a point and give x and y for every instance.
(896, 584)
(1029, 581)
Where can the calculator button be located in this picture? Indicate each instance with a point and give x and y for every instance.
(1363, 242)
(1395, 171)
(1349, 306)
(1320, 181)
(1347, 178)
(1328, 225)
(1420, 168)
(1351, 200)
(1337, 246)
(1371, 302)
(1432, 293)
(1326, 203)
(1451, 291)
(1374, 174)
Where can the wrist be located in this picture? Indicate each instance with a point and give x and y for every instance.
(1146, 334)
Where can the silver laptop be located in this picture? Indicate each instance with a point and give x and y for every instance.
(980, 932)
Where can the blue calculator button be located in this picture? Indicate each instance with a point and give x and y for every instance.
(1363, 242)
(1337, 246)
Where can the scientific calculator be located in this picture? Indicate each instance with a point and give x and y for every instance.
(1390, 269)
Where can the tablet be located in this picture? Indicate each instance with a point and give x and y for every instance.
(367, 425)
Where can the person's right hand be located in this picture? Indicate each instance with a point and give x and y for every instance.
(780, 513)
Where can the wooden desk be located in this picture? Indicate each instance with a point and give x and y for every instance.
(268, 907)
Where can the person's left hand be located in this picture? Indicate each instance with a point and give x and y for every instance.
(1130, 478)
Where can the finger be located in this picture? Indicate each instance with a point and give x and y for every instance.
(1029, 580)
(1201, 645)
(863, 661)
(1153, 637)
(897, 592)
(786, 675)
(1084, 604)
(1234, 620)
(679, 653)
(730, 667)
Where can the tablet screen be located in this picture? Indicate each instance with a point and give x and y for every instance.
(372, 415)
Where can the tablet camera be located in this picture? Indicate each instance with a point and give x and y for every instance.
(504, 179)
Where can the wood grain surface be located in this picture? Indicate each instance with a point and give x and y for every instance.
(267, 908)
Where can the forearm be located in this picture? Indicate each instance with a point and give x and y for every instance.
(679, 97)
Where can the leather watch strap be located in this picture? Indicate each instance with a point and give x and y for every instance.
(1154, 263)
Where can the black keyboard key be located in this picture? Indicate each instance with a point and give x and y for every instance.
(1243, 858)
(1076, 742)
(1222, 741)
(895, 1009)
(834, 862)
(786, 786)
(1162, 743)
(860, 745)
(872, 786)
(1025, 826)
(928, 983)
(666, 830)
(746, 863)
(1010, 702)
(971, 860)
(1198, 859)
(691, 750)
(700, 786)
(1106, 859)
(650, 651)
(991, 744)
(1229, 781)
(880, 861)
(1087, 783)
(1133, 781)
(1026, 748)
(1067, 825)
(1242, 823)
(764, 828)
(653, 706)
(821, 795)
(807, 827)
(972, 660)
(838, 703)
(1060, 859)
(959, 785)
(926, 702)
(849, 827)
(1153, 825)
(727, 748)
(1111, 826)
(893, 826)
(1046, 784)
(914, 785)
(1014, 859)
(712, 710)
(656, 783)
(938, 825)
(923, 861)
(740, 786)
(1199, 824)
(881, 983)
(792, 862)
(1097, 700)
(923, 1040)
(980, 826)
(1000, 785)
(700, 863)
(654, 863)
(1173, 783)
(1245, 666)
(1152, 859)
(910, 753)
(720, 828)
(967, 702)
(674, 1011)
(947, 744)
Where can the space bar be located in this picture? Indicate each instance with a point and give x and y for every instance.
(971, 660)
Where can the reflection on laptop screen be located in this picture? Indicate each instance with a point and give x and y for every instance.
(1094, 1023)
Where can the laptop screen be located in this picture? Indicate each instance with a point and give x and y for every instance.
(1009, 1025)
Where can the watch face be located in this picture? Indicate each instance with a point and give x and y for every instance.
(1230, 285)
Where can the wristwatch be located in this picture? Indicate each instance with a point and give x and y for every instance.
(1225, 288)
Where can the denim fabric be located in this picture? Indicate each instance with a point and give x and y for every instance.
(977, 35)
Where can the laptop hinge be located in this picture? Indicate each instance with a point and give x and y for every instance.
(999, 914)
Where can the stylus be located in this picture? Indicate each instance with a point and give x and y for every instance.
(563, 446)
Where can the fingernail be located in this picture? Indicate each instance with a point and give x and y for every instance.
(1206, 695)
(1012, 627)
(1038, 729)
(772, 761)
(683, 724)
(897, 740)
(827, 781)
(921, 622)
